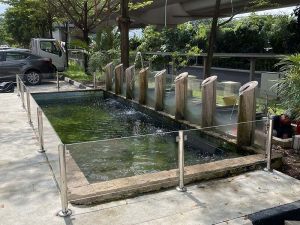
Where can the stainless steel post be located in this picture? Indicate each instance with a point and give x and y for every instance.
(65, 211)
(40, 130)
(18, 84)
(181, 138)
(22, 94)
(28, 105)
(95, 80)
(269, 145)
(57, 81)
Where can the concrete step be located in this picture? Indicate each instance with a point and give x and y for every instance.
(292, 223)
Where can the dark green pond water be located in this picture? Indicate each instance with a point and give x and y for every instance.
(105, 127)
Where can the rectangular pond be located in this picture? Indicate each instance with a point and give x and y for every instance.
(110, 139)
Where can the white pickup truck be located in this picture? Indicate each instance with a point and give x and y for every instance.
(50, 48)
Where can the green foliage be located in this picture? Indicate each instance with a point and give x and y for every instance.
(289, 84)
(26, 19)
(104, 49)
(79, 44)
(4, 36)
(76, 72)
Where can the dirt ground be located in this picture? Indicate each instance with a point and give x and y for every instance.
(291, 161)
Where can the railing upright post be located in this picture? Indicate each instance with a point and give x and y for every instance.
(40, 130)
(269, 145)
(181, 138)
(95, 80)
(18, 84)
(57, 81)
(65, 211)
(28, 105)
(252, 69)
(22, 94)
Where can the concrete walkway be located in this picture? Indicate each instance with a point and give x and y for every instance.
(28, 192)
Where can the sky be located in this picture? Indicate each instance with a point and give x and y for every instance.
(2, 8)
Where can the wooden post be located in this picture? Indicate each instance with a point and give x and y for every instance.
(181, 82)
(108, 76)
(246, 114)
(204, 66)
(160, 83)
(252, 69)
(209, 101)
(118, 79)
(143, 86)
(130, 76)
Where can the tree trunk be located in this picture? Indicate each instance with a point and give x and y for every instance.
(50, 23)
(86, 35)
(212, 37)
(124, 23)
(86, 58)
(67, 43)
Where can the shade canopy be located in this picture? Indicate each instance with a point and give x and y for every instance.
(174, 12)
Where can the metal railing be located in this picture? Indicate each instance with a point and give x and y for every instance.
(252, 57)
(21, 89)
(65, 211)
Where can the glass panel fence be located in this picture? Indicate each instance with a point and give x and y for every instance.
(110, 159)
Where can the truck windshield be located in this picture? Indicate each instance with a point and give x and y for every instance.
(50, 46)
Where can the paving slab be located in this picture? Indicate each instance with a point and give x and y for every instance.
(29, 194)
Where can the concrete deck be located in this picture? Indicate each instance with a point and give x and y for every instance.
(29, 195)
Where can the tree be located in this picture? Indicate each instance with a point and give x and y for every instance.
(86, 15)
(4, 37)
(251, 6)
(26, 19)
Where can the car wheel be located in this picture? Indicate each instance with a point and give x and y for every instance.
(33, 77)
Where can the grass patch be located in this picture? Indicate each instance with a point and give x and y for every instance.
(76, 72)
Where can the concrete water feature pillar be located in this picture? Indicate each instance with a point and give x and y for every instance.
(160, 86)
(246, 114)
(209, 87)
(130, 76)
(109, 69)
(143, 80)
(181, 85)
(119, 79)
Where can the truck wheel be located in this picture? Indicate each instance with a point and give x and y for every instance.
(32, 77)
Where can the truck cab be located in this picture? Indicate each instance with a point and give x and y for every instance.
(50, 48)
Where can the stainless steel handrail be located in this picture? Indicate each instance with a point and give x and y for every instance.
(181, 138)
(269, 145)
(65, 211)
(40, 130)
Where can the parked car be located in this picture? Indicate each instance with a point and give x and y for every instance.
(20, 61)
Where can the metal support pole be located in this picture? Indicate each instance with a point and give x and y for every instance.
(204, 66)
(181, 138)
(18, 85)
(252, 69)
(57, 81)
(40, 130)
(22, 94)
(95, 80)
(65, 211)
(28, 106)
(269, 145)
